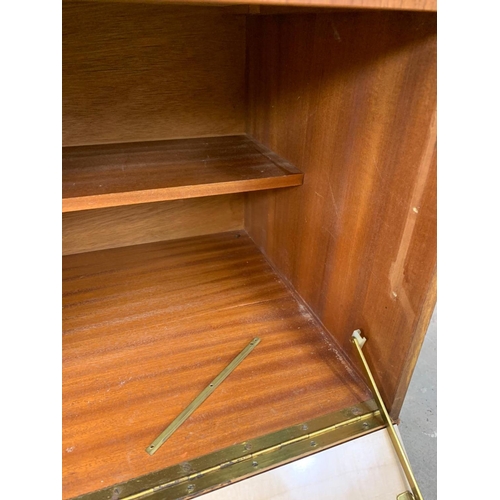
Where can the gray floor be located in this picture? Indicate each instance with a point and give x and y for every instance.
(418, 425)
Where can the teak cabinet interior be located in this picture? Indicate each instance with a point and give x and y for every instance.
(231, 172)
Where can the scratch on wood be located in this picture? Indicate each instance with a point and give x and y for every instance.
(333, 198)
(336, 34)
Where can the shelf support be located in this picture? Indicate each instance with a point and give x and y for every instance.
(186, 413)
(358, 340)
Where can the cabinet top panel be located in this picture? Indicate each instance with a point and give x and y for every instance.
(424, 5)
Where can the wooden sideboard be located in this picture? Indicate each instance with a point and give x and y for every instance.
(233, 171)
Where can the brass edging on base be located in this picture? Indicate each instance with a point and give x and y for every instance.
(189, 479)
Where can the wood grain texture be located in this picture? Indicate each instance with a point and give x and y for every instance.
(126, 174)
(147, 327)
(417, 5)
(134, 72)
(350, 99)
(90, 230)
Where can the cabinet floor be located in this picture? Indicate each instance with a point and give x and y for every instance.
(147, 327)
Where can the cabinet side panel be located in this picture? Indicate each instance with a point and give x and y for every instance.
(90, 230)
(350, 99)
(134, 72)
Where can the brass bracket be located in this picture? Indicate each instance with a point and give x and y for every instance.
(185, 414)
(358, 340)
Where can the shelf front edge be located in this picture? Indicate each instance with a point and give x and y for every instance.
(178, 193)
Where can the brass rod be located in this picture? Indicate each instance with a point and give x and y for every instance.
(388, 422)
(184, 415)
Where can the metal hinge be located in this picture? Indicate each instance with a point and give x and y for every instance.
(223, 467)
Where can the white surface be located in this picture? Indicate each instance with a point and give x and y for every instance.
(357, 335)
(366, 468)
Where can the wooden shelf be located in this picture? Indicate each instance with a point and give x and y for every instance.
(127, 174)
(147, 327)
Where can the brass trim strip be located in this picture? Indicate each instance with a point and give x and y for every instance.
(198, 400)
(359, 341)
(245, 459)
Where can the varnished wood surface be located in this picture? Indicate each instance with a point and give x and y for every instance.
(127, 174)
(147, 327)
(90, 230)
(422, 5)
(350, 99)
(135, 72)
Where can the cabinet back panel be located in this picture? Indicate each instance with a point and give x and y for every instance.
(89, 230)
(349, 98)
(134, 72)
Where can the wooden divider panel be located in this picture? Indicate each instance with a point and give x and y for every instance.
(350, 99)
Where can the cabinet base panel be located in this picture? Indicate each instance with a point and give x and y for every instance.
(147, 327)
